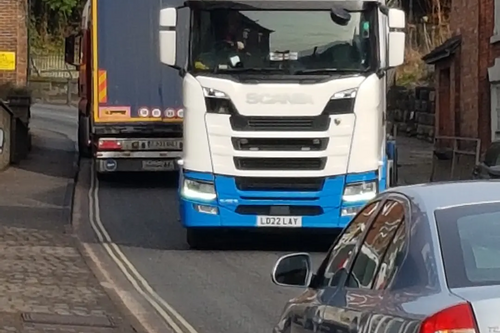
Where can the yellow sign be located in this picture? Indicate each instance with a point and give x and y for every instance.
(7, 61)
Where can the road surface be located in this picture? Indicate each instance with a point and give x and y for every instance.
(206, 292)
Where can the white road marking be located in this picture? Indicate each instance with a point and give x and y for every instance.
(165, 310)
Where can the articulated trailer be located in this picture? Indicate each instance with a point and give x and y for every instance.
(130, 113)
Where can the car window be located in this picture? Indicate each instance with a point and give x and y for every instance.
(469, 237)
(375, 245)
(492, 155)
(392, 259)
(342, 251)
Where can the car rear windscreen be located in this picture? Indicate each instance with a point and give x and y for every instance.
(470, 242)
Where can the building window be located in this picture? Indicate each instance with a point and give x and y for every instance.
(496, 31)
(495, 111)
(494, 78)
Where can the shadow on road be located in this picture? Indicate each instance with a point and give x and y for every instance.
(167, 180)
(47, 160)
(249, 241)
(158, 226)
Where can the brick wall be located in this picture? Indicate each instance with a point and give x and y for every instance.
(14, 38)
(474, 20)
(465, 20)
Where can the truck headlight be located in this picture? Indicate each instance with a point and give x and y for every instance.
(193, 189)
(341, 102)
(360, 191)
(214, 93)
(345, 94)
(218, 102)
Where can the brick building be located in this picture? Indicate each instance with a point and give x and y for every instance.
(13, 41)
(467, 72)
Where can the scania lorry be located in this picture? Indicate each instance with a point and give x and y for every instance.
(130, 110)
(285, 110)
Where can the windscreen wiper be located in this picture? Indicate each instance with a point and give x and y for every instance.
(326, 71)
(252, 70)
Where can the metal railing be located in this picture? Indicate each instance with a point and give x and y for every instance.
(449, 152)
(51, 66)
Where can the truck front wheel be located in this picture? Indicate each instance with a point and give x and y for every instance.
(84, 148)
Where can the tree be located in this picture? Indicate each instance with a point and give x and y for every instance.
(51, 19)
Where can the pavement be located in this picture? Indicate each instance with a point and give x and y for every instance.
(414, 160)
(46, 285)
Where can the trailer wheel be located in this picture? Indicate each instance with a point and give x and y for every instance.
(197, 239)
(84, 149)
(104, 176)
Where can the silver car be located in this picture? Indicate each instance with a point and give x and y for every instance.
(416, 259)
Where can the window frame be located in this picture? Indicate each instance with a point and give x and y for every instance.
(496, 22)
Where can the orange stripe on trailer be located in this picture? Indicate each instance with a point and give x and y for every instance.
(103, 86)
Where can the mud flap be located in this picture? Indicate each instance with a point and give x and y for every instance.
(392, 163)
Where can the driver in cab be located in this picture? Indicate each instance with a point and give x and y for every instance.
(232, 32)
(230, 41)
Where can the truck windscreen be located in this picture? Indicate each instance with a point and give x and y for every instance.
(291, 42)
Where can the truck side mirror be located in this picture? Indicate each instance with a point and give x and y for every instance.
(396, 39)
(69, 50)
(168, 36)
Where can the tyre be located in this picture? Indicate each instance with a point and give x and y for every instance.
(104, 176)
(394, 176)
(197, 239)
(84, 149)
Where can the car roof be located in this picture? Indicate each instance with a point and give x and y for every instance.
(438, 195)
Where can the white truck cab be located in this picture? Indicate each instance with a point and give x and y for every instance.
(285, 104)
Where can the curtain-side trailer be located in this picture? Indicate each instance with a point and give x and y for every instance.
(130, 112)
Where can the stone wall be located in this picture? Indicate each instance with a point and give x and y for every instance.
(412, 111)
(54, 90)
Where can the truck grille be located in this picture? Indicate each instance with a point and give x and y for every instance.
(280, 124)
(252, 163)
(280, 144)
(269, 210)
(279, 184)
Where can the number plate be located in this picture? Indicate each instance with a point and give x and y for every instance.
(165, 144)
(158, 165)
(279, 221)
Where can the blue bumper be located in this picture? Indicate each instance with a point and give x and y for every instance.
(226, 211)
